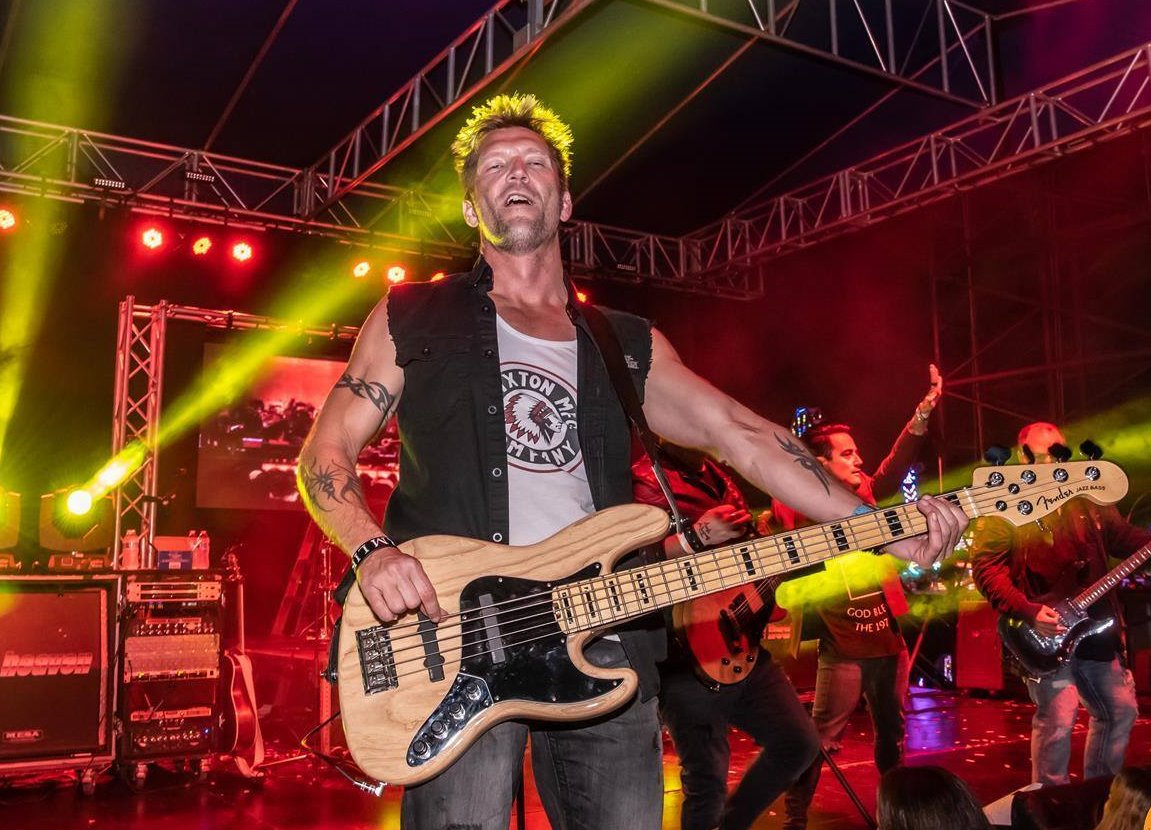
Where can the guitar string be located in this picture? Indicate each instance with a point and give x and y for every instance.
(821, 548)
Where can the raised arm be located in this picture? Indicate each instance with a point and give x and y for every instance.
(355, 410)
(686, 409)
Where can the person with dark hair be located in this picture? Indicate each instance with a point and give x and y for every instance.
(918, 798)
(1024, 572)
(861, 649)
(511, 431)
(762, 704)
(1128, 801)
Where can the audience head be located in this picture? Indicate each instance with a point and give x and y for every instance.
(1128, 802)
(914, 798)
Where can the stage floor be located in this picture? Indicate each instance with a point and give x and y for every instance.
(984, 741)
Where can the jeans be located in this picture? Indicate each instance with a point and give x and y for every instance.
(1108, 693)
(838, 686)
(765, 707)
(592, 775)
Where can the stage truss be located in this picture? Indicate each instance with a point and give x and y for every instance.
(138, 398)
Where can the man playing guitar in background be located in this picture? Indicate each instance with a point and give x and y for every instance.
(762, 702)
(1023, 572)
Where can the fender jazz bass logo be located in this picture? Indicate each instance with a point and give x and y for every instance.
(1065, 493)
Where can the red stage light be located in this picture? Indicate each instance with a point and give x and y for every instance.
(439, 275)
(241, 252)
(397, 274)
(152, 238)
(7, 219)
(202, 245)
(362, 269)
(581, 296)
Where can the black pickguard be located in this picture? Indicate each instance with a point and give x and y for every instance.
(512, 641)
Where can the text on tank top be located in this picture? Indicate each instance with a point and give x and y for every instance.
(547, 481)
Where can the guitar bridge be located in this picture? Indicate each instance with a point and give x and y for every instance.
(377, 664)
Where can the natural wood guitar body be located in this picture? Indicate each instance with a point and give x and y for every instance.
(382, 726)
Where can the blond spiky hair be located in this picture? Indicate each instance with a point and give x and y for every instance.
(513, 110)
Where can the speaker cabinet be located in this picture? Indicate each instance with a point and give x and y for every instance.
(56, 678)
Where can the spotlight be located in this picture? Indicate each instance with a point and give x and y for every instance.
(9, 518)
(152, 238)
(61, 529)
(79, 502)
(7, 219)
(104, 183)
(241, 252)
(581, 296)
(361, 269)
(202, 245)
(397, 274)
(439, 275)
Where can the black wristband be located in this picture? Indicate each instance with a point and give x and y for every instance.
(369, 547)
(687, 528)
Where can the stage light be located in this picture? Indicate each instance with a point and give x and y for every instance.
(202, 245)
(152, 238)
(241, 252)
(7, 219)
(581, 296)
(79, 502)
(397, 274)
(439, 275)
(9, 518)
(361, 269)
(63, 530)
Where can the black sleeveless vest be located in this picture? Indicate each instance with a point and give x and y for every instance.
(453, 463)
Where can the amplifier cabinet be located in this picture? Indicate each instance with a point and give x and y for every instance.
(170, 666)
(56, 671)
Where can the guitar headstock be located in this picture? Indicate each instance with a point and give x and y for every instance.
(1022, 493)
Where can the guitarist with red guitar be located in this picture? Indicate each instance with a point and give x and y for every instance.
(716, 676)
(1033, 574)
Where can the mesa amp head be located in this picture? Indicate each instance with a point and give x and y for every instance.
(170, 669)
(56, 675)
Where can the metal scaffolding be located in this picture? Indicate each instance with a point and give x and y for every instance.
(138, 397)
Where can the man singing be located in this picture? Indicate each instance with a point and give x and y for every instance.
(463, 362)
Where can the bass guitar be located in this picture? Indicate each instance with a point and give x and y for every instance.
(240, 735)
(1039, 655)
(415, 694)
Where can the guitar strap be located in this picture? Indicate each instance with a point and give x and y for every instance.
(612, 354)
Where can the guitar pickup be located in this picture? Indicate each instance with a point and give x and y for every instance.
(377, 664)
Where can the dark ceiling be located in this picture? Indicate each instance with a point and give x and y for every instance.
(615, 72)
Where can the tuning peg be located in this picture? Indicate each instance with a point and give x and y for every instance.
(1028, 455)
(1091, 450)
(997, 454)
(1060, 452)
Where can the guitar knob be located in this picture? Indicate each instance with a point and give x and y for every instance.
(725, 661)
(738, 670)
(456, 711)
(472, 690)
(439, 728)
(421, 749)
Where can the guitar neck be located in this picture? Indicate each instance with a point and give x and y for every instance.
(1110, 581)
(624, 595)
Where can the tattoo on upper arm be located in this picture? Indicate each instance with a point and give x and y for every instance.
(804, 459)
(373, 392)
(327, 485)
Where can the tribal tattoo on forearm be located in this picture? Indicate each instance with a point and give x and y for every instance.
(803, 458)
(331, 484)
(374, 393)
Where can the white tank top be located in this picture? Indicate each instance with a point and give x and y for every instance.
(547, 480)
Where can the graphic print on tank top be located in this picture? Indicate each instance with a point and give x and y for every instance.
(540, 419)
